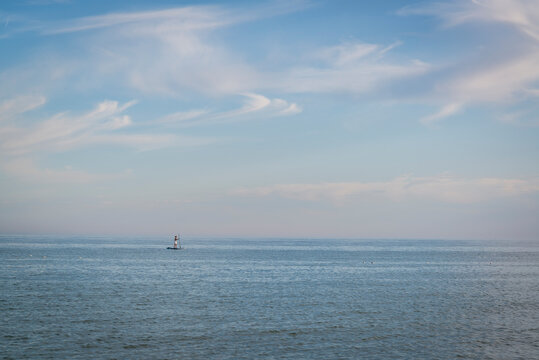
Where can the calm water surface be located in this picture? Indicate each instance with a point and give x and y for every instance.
(129, 298)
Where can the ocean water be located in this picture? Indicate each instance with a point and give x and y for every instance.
(129, 298)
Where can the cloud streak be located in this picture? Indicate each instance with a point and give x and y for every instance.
(25, 168)
(520, 14)
(441, 188)
(176, 51)
(255, 106)
(10, 108)
(444, 112)
(64, 131)
(187, 18)
(351, 67)
(509, 70)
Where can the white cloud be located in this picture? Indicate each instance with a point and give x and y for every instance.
(185, 18)
(352, 67)
(149, 142)
(258, 103)
(171, 51)
(14, 106)
(26, 169)
(180, 18)
(104, 124)
(528, 118)
(182, 116)
(254, 102)
(287, 109)
(442, 188)
(509, 81)
(101, 125)
(347, 53)
(118, 122)
(176, 51)
(444, 112)
(255, 106)
(64, 130)
(521, 14)
(508, 72)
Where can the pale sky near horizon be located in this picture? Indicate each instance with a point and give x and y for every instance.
(354, 119)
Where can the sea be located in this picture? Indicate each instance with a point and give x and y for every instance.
(89, 297)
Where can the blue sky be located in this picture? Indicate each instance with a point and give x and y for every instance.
(359, 119)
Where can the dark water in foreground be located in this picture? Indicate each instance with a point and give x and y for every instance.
(129, 298)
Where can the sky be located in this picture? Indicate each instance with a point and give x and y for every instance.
(315, 119)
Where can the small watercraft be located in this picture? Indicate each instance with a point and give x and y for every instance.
(177, 245)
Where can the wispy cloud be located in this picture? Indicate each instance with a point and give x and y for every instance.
(168, 51)
(187, 18)
(442, 188)
(64, 131)
(255, 106)
(351, 67)
(12, 107)
(523, 118)
(444, 112)
(21, 145)
(175, 51)
(178, 51)
(183, 116)
(505, 82)
(26, 169)
(172, 52)
(47, 2)
(521, 14)
(184, 18)
(347, 53)
(509, 70)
